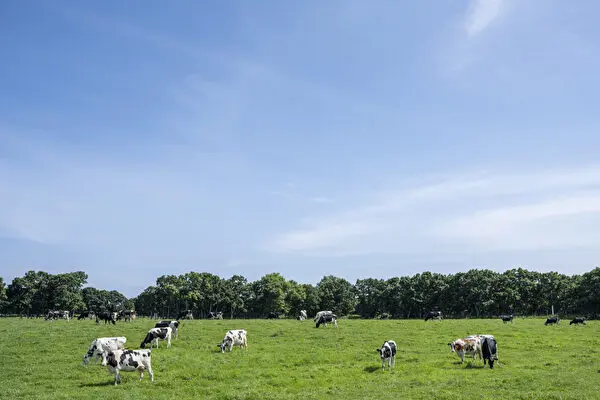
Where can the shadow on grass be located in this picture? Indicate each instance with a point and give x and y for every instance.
(372, 368)
(97, 384)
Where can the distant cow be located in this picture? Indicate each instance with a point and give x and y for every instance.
(86, 314)
(54, 315)
(552, 320)
(325, 318)
(470, 346)
(384, 316)
(129, 360)
(156, 334)
(302, 315)
(387, 352)
(106, 317)
(215, 315)
(577, 321)
(101, 346)
(316, 318)
(433, 315)
(187, 314)
(273, 315)
(174, 325)
(127, 315)
(234, 337)
(489, 350)
(506, 318)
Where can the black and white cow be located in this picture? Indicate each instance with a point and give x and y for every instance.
(129, 360)
(101, 346)
(86, 314)
(577, 321)
(302, 315)
(387, 352)
(106, 317)
(325, 318)
(174, 325)
(234, 337)
(54, 315)
(552, 321)
(489, 350)
(506, 318)
(273, 315)
(156, 334)
(187, 314)
(316, 318)
(433, 315)
(126, 315)
(215, 315)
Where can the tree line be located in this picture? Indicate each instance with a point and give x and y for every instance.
(476, 293)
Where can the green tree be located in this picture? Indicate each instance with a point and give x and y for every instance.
(336, 294)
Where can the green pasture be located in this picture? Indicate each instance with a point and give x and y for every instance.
(289, 359)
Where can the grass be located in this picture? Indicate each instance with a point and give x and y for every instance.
(288, 359)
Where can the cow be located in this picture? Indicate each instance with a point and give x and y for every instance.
(325, 318)
(129, 360)
(54, 315)
(316, 318)
(577, 321)
(384, 316)
(433, 315)
(234, 337)
(106, 317)
(552, 320)
(215, 315)
(174, 325)
(387, 352)
(156, 334)
(101, 346)
(302, 316)
(273, 315)
(489, 350)
(469, 346)
(86, 314)
(127, 315)
(187, 314)
(506, 318)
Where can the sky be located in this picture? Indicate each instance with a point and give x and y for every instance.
(348, 138)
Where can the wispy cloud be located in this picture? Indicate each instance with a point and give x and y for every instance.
(479, 212)
(481, 14)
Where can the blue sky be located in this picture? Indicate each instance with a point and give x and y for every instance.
(359, 139)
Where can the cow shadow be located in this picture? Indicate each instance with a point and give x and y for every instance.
(97, 384)
(372, 368)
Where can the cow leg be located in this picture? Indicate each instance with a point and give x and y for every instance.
(168, 342)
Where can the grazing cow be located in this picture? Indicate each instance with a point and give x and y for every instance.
(187, 314)
(577, 321)
(127, 315)
(273, 315)
(129, 360)
(469, 346)
(174, 325)
(106, 317)
(552, 320)
(54, 315)
(215, 315)
(234, 337)
(86, 314)
(101, 346)
(506, 318)
(325, 318)
(387, 352)
(433, 315)
(156, 334)
(302, 315)
(384, 316)
(316, 318)
(489, 350)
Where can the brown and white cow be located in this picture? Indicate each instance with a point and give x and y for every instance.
(469, 346)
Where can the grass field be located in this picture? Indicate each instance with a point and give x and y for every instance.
(288, 359)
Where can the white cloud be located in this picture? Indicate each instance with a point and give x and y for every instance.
(481, 14)
(479, 212)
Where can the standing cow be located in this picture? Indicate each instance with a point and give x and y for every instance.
(387, 352)
(577, 321)
(106, 317)
(325, 318)
(174, 325)
(302, 315)
(129, 360)
(234, 337)
(469, 346)
(101, 346)
(489, 350)
(433, 315)
(156, 334)
(506, 318)
(552, 321)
